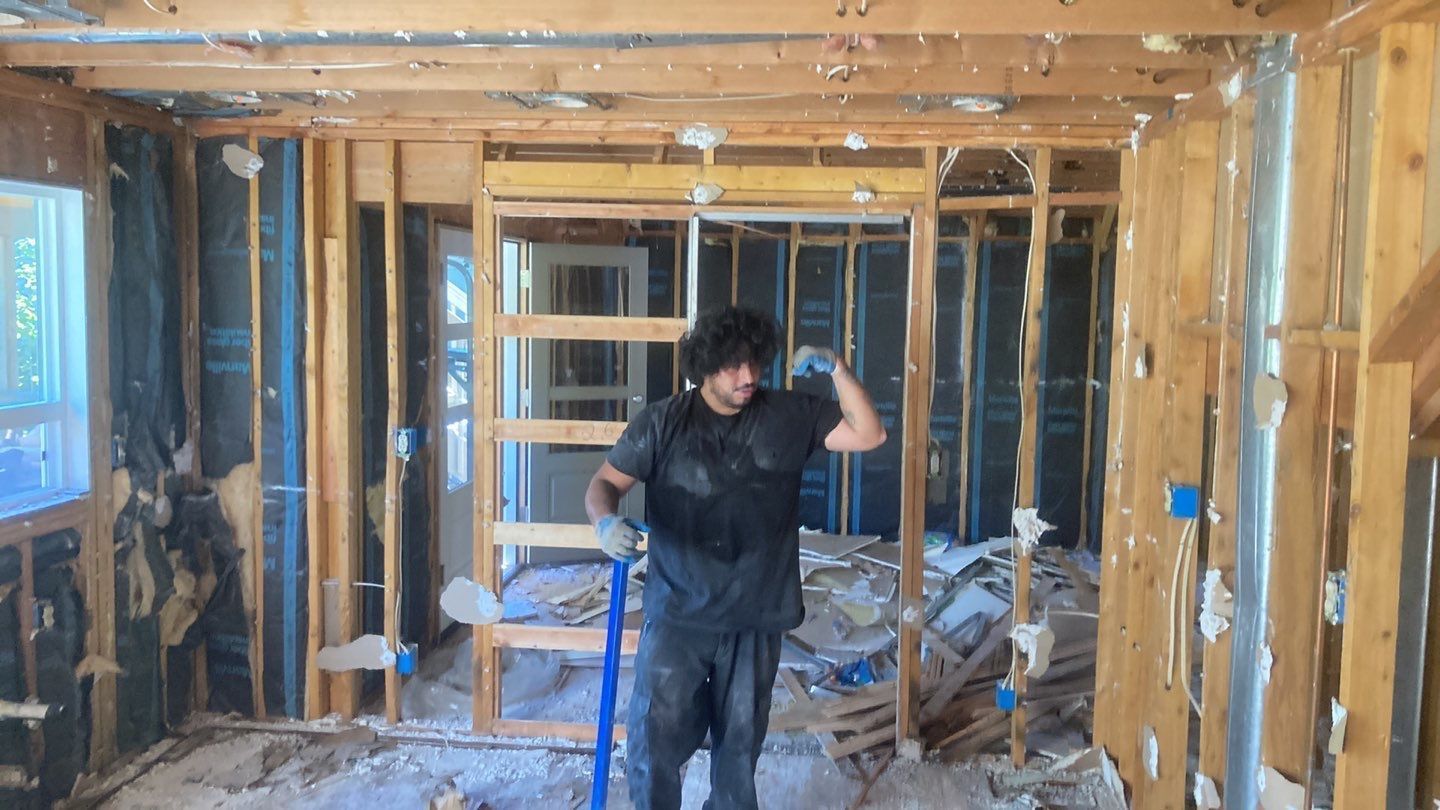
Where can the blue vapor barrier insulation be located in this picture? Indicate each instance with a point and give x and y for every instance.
(225, 426)
(148, 430)
(59, 648)
(714, 278)
(819, 321)
(282, 426)
(1100, 401)
(882, 277)
(763, 266)
(660, 303)
(942, 491)
(374, 417)
(1064, 359)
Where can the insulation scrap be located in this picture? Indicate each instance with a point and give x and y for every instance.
(1029, 527)
(1277, 792)
(96, 664)
(1231, 88)
(1271, 397)
(855, 141)
(1339, 719)
(366, 652)
(701, 136)
(1035, 641)
(470, 602)
(704, 193)
(863, 194)
(241, 161)
(1216, 606)
(1161, 43)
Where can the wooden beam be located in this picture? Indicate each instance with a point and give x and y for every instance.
(558, 431)
(101, 106)
(546, 637)
(1415, 320)
(1225, 464)
(1292, 701)
(485, 663)
(546, 535)
(661, 79)
(1355, 26)
(317, 512)
(396, 358)
(791, 273)
(576, 732)
(343, 484)
(1026, 474)
(1039, 54)
(742, 17)
(517, 178)
(590, 327)
(975, 225)
(1382, 412)
(256, 549)
(99, 556)
(918, 379)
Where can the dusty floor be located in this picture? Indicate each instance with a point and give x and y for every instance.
(252, 769)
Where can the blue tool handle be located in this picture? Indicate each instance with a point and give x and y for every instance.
(605, 731)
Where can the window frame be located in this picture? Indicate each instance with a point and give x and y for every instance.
(63, 406)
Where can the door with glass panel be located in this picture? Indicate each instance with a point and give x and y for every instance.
(593, 380)
(457, 440)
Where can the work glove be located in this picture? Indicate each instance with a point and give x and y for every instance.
(813, 359)
(620, 537)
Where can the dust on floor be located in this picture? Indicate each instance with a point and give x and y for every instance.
(233, 768)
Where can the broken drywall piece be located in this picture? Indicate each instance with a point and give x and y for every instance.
(701, 136)
(470, 602)
(1216, 606)
(1277, 792)
(864, 614)
(1035, 641)
(1339, 720)
(1152, 754)
(1161, 43)
(1231, 88)
(863, 194)
(1141, 370)
(1271, 396)
(855, 141)
(705, 193)
(1207, 796)
(366, 652)
(241, 161)
(1212, 513)
(1266, 659)
(1029, 527)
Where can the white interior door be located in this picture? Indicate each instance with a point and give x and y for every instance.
(602, 380)
(457, 442)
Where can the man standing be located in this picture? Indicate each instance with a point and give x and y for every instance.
(722, 465)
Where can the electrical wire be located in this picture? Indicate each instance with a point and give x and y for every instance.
(706, 99)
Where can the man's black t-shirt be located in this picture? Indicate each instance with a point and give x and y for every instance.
(722, 499)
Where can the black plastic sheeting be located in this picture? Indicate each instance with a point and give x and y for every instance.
(59, 649)
(995, 420)
(1100, 402)
(225, 392)
(1064, 359)
(820, 321)
(882, 277)
(942, 490)
(149, 416)
(282, 426)
(374, 415)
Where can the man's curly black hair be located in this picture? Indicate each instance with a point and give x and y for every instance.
(724, 338)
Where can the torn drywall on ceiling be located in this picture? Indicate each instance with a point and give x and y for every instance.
(470, 602)
(1271, 397)
(701, 136)
(704, 193)
(366, 652)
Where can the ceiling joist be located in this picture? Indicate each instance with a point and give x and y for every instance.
(537, 17)
(657, 80)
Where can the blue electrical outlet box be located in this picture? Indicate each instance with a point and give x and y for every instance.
(1004, 698)
(1184, 502)
(405, 659)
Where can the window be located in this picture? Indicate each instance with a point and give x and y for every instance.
(44, 431)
